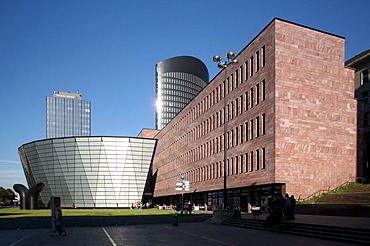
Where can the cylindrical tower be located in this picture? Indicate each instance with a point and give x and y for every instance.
(178, 81)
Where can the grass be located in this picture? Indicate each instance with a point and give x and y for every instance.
(339, 190)
(17, 213)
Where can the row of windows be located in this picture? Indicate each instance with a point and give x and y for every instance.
(240, 105)
(67, 117)
(253, 127)
(239, 135)
(185, 79)
(236, 78)
(248, 162)
(182, 85)
(244, 133)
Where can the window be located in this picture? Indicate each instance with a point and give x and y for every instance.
(246, 166)
(228, 167)
(246, 132)
(257, 61)
(232, 82)
(257, 159)
(232, 138)
(263, 51)
(241, 164)
(228, 140)
(252, 130)
(228, 112)
(232, 113)
(252, 161)
(238, 80)
(251, 62)
(257, 94)
(263, 90)
(251, 98)
(228, 86)
(263, 158)
(263, 124)
(246, 75)
(241, 104)
(364, 77)
(365, 97)
(257, 127)
(237, 106)
(241, 134)
(246, 101)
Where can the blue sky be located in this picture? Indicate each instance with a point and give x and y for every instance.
(107, 50)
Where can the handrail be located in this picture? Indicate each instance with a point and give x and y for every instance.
(320, 192)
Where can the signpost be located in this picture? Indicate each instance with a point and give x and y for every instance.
(184, 185)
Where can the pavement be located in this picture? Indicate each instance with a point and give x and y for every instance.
(194, 233)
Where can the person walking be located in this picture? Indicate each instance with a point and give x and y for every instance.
(58, 223)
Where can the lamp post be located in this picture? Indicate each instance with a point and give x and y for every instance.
(223, 63)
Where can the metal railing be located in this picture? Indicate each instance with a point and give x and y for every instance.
(324, 191)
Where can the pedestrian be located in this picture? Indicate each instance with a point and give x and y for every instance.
(292, 207)
(286, 207)
(58, 222)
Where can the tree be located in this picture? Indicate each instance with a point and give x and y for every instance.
(6, 196)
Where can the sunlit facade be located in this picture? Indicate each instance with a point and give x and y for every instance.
(291, 124)
(67, 115)
(89, 172)
(178, 81)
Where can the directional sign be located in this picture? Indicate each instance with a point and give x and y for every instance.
(184, 185)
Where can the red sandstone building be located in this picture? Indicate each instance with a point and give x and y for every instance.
(291, 124)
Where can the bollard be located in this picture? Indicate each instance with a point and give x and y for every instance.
(175, 220)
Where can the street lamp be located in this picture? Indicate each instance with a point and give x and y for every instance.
(223, 63)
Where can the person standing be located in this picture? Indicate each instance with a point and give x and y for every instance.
(287, 207)
(292, 207)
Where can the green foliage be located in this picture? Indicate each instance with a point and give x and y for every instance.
(6, 196)
(338, 190)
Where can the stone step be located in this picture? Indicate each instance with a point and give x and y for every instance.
(343, 234)
(353, 210)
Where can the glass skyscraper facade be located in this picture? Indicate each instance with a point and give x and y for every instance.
(67, 115)
(89, 172)
(178, 81)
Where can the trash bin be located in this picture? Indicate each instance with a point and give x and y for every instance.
(175, 220)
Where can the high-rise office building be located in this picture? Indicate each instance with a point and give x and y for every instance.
(178, 81)
(67, 115)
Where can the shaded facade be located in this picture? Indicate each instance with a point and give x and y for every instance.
(178, 81)
(89, 172)
(361, 64)
(67, 115)
(291, 124)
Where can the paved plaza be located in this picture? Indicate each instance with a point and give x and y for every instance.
(197, 233)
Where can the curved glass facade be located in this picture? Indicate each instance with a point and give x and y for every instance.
(89, 172)
(179, 80)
